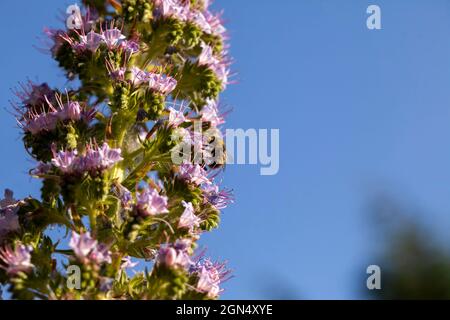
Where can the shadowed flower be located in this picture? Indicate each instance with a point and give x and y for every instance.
(16, 260)
(188, 219)
(151, 203)
(87, 249)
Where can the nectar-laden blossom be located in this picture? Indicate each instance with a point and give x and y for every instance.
(87, 249)
(210, 277)
(188, 219)
(151, 203)
(193, 173)
(16, 260)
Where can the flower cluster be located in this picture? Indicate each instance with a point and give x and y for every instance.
(112, 38)
(105, 153)
(96, 158)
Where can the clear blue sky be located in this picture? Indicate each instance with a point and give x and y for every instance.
(359, 112)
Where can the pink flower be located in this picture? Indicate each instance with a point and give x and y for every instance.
(193, 173)
(210, 276)
(175, 255)
(87, 249)
(16, 260)
(176, 117)
(219, 66)
(210, 113)
(151, 203)
(188, 219)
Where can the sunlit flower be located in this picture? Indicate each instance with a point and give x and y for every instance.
(210, 277)
(188, 219)
(175, 255)
(150, 203)
(176, 117)
(87, 249)
(216, 197)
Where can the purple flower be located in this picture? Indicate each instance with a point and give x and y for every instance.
(188, 219)
(151, 203)
(112, 37)
(219, 66)
(90, 42)
(95, 159)
(216, 197)
(210, 276)
(16, 260)
(66, 161)
(161, 83)
(130, 46)
(193, 173)
(176, 117)
(210, 113)
(125, 196)
(101, 158)
(172, 8)
(9, 221)
(138, 76)
(36, 122)
(32, 95)
(87, 249)
(175, 255)
(118, 75)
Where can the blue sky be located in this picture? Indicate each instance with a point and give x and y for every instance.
(359, 112)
